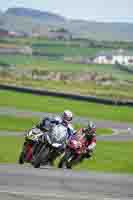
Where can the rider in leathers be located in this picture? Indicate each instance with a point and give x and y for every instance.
(44, 125)
(90, 137)
(65, 120)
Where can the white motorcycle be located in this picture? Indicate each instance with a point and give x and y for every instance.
(53, 142)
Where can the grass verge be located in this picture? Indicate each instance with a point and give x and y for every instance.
(10, 148)
(10, 123)
(58, 105)
(104, 131)
(109, 156)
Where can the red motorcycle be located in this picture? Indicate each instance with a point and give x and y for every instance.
(75, 149)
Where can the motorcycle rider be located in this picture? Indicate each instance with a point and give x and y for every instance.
(86, 145)
(65, 119)
(66, 122)
(90, 137)
(47, 122)
(44, 125)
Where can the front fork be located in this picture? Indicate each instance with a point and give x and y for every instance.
(36, 148)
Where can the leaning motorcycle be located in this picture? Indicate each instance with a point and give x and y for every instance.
(28, 149)
(53, 142)
(74, 152)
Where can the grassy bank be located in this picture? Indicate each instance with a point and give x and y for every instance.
(109, 156)
(57, 105)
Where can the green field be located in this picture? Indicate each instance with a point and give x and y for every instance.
(58, 105)
(41, 41)
(109, 156)
(41, 63)
(66, 50)
(37, 62)
(22, 60)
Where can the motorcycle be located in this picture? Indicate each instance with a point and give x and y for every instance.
(74, 152)
(54, 141)
(29, 146)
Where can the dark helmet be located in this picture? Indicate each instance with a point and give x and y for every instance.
(45, 123)
(91, 128)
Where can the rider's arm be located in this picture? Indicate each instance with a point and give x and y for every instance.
(79, 131)
(71, 131)
(44, 124)
(37, 126)
(92, 144)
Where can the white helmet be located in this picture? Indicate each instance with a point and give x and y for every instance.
(67, 116)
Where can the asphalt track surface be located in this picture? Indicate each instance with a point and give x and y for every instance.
(25, 182)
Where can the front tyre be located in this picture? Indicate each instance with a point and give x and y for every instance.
(42, 156)
(22, 154)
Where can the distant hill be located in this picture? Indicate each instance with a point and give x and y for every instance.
(25, 19)
(2, 21)
(27, 12)
(101, 30)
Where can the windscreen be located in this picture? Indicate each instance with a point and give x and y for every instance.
(58, 134)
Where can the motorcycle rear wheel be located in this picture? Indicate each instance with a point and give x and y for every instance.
(64, 161)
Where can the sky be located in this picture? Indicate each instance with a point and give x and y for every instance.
(94, 10)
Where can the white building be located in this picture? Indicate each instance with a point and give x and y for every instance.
(117, 56)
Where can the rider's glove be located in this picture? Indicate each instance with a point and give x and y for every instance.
(91, 147)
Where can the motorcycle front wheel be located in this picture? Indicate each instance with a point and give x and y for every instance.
(41, 157)
(21, 159)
